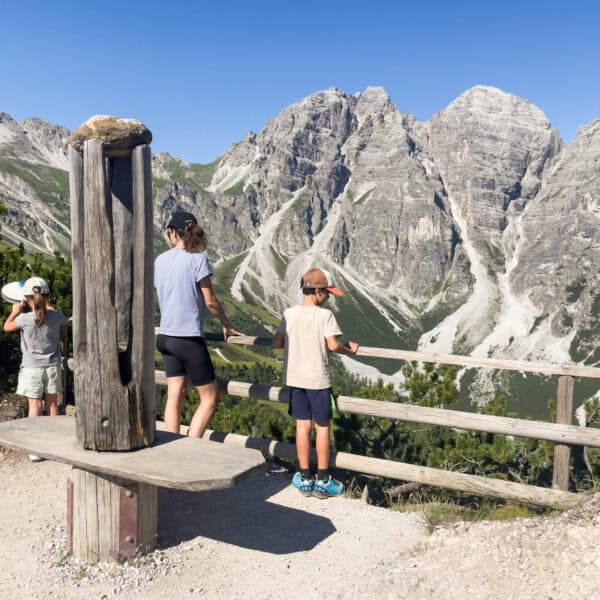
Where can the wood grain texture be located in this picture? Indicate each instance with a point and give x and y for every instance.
(114, 411)
(101, 520)
(483, 486)
(173, 461)
(120, 179)
(444, 359)
(564, 433)
(564, 415)
(77, 249)
(142, 343)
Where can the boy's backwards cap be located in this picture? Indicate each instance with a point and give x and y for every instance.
(320, 278)
(35, 282)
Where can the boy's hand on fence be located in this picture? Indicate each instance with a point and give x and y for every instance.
(353, 346)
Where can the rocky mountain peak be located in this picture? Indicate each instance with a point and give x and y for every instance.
(497, 106)
(467, 233)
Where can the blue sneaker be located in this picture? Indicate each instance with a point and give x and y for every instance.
(304, 486)
(325, 488)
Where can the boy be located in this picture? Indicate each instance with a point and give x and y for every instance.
(307, 332)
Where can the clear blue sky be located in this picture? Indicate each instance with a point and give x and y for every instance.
(203, 74)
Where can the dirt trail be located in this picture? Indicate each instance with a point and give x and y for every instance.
(259, 540)
(263, 540)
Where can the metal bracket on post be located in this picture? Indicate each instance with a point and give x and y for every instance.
(128, 521)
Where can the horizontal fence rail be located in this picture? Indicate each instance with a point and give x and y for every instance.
(473, 484)
(399, 411)
(444, 359)
(562, 433)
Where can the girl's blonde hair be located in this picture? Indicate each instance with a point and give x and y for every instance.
(39, 306)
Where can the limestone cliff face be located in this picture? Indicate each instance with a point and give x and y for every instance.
(559, 254)
(34, 184)
(474, 232)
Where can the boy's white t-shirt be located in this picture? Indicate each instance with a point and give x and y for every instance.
(305, 359)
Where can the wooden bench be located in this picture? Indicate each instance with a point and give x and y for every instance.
(112, 497)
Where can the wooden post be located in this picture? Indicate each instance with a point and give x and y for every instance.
(564, 415)
(109, 518)
(114, 394)
(77, 221)
(111, 198)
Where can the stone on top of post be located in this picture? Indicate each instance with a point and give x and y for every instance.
(111, 219)
(119, 136)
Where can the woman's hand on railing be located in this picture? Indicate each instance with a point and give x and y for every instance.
(230, 332)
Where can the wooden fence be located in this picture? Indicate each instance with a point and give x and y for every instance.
(562, 433)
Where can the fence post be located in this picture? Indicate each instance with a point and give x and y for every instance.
(564, 415)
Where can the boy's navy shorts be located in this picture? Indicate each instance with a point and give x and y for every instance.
(310, 404)
(186, 356)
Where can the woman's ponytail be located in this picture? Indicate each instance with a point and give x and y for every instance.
(39, 307)
(194, 238)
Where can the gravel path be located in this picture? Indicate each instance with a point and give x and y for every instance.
(263, 540)
(259, 540)
(546, 558)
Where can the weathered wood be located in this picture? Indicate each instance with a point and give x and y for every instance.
(405, 488)
(398, 411)
(173, 461)
(113, 411)
(90, 375)
(444, 359)
(77, 248)
(111, 518)
(122, 223)
(564, 415)
(473, 484)
(142, 343)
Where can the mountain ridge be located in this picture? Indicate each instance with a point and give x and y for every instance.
(445, 233)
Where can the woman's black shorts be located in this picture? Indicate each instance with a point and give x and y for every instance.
(186, 356)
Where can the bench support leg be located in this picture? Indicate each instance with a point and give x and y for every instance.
(109, 518)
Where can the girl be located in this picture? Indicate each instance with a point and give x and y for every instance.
(182, 277)
(40, 373)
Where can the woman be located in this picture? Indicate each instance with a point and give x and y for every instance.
(182, 277)
(40, 325)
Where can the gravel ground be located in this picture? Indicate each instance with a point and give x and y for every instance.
(263, 540)
(539, 558)
(259, 540)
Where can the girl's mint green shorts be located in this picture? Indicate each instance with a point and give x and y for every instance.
(34, 382)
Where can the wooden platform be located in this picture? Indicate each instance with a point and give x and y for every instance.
(173, 461)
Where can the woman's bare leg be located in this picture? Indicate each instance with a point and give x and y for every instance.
(175, 395)
(209, 396)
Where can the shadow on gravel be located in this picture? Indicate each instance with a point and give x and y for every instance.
(241, 516)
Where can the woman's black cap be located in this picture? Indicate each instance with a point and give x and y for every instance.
(180, 221)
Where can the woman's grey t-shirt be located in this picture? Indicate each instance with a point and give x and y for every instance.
(40, 345)
(176, 276)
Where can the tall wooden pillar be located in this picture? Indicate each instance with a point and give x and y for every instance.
(109, 518)
(111, 217)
